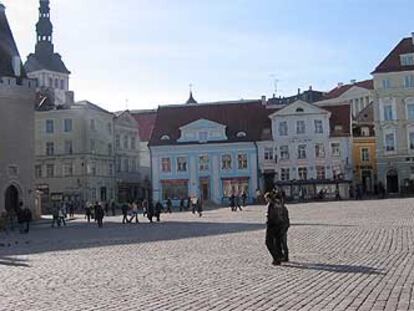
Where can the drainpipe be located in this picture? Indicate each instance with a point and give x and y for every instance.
(257, 165)
(150, 195)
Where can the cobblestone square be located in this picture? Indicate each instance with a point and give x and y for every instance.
(344, 256)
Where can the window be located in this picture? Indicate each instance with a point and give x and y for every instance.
(226, 162)
(68, 147)
(409, 81)
(389, 142)
(50, 82)
(165, 137)
(49, 126)
(68, 125)
(93, 146)
(283, 128)
(56, 83)
(91, 168)
(365, 155)
(126, 165)
(166, 165)
(118, 165)
(118, 142)
(235, 186)
(182, 164)
(242, 161)
(268, 153)
(303, 173)
(38, 171)
(299, 110)
(92, 125)
(302, 152)
(204, 163)
(68, 169)
(300, 127)
(365, 132)
(337, 172)
(411, 138)
(410, 111)
(318, 127)
(386, 84)
(320, 172)
(284, 152)
(407, 60)
(62, 84)
(50, 149)
(110, 128)
(50, 170)
(319, 151)
(93, 194)
(175, 190)
(285, 174)
(126, 142)
(133, 143)
(241, 134)
(110, 149)
(203, 136)
(110, 169)
(336, 149)
(133, 165)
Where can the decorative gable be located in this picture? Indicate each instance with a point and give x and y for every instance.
(299, 108)
(202, 131)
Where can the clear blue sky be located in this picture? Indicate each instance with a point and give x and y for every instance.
(149, 51)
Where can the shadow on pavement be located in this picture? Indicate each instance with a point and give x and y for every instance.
(322, 225)
(14, 262)
(83, 235)
(334, 268)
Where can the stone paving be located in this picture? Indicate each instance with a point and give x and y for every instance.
(344, 256)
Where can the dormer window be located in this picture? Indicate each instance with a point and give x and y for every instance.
(241, 134)
(299, 109)
(407, 60)
(165, 137)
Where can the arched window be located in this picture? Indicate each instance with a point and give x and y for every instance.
(165, 137)
(241, 134)
(299, 109)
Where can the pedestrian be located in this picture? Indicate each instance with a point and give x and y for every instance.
(124, 209)
(276, 224)
(20, 217)
(134, 213)
(200, 207)
(181, 204)
(28, 217)
(238, 206)
(258, 196)
(244, 198)
(359, 192)
(233, 202)
(106, 208)
(150, 211)
(88, 212)
(188, 204)
(62, 215)
(169, 206)
(158, 209)
(381, 190)
(113, 207)
(71, 209)
(55, 215)
(145, 207)
(285, 228)
(99, 214)
(194, 204)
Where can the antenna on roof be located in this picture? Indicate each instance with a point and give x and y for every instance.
(275, 84)
(126, 103)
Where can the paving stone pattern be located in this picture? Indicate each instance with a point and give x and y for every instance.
(344, 256)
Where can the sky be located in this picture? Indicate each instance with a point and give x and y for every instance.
(138, 54)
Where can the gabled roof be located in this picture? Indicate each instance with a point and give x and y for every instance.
(52, 62)
(392, 63)
(243, 116)
(291, 109)
(340, 90)
(340, 116)
(146, 122)
(8, 48)
(89, 105)
(366, 115)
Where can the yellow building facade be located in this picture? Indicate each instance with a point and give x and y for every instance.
(365, 162)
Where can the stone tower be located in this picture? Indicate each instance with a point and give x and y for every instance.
(45, 65)
(17, 102)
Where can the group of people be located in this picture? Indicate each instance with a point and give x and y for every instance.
(235, 201)
(278, 224)
(22, 216)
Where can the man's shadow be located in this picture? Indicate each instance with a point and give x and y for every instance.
(14, 262)
(334, 268)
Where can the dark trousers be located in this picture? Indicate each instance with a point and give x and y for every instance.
(284, 246)
(100, 222)
(274, 242)
(88, 217)
(27, 226)
(125, 218)
(157, 214)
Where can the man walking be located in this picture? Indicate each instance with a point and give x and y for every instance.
(124, 210)
(158, 209)
(275, 226)
(99, 214)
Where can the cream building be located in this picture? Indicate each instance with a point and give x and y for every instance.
(75, 153)
(394, 117)
(17, 99)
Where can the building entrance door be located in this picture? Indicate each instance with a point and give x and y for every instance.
(103, 194)
(12, 199)
(367, 181)
(392, 182)
(205, 189)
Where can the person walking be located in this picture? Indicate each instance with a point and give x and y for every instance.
(20, 217)
(99, 214)
(244, 198)
(194, 204)
(188, 204)
(144, 208)
(238, 206)
(124, 209)
(275, 227)
(181, 204)
(134, 213)
(233, 202)
(285, 227)
(169, 206)
(88, 212)
(62, 215)
(200, 207)
(150, 211)
(28, 217)
(113, 208)
(55, 215)
(158, 209)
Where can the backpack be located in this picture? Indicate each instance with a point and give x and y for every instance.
(276, 214)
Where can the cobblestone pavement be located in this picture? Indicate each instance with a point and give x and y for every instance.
(345, 256)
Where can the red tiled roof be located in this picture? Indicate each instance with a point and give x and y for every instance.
(146, 122)
(392, 63)
(249, 117)
(339, 90)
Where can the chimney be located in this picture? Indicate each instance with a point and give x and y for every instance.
(310, 88)
(353, 81)
(340, 84)
(264, 100)
(16, 64)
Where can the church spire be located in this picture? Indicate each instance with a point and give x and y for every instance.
(44, 30)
